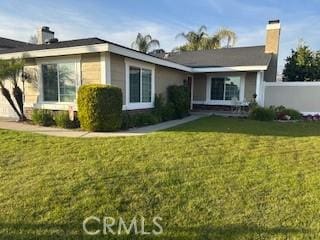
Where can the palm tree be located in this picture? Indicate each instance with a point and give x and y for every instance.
(145, 43)
(194, 39)
(228, 35)
(200, 40)
(13, 70)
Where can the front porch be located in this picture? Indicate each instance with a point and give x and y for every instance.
(226, 91)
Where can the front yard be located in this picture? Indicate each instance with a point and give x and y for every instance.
(215, 178)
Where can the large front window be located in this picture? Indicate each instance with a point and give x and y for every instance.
(59, 82)
(140, 81)
(225, 88)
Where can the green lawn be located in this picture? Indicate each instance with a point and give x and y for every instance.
(215, 178)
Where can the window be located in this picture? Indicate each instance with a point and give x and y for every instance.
(59, 82)
(140, 81)
(225, 88)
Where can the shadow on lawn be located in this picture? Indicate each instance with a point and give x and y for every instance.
(250, 127)
(19, 231)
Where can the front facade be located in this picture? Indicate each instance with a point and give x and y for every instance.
(217, 79)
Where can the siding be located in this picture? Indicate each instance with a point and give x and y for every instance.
(118, 73)
(90, 68)
(250, 85)
(165, 77)
(199, 87)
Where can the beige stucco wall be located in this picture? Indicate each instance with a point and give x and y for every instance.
(90, 68)
(118, 73)
(199, 87)
(250, 85)
(302, 98)
(165, 77)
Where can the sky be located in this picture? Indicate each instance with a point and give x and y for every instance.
(120, 20)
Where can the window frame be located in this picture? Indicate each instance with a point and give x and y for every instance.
(58, 60)
(142, 66)
(209, 101)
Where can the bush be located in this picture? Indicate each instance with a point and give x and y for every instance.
(262, 114)
(168, 112)
(99, 107)
(42, 117)
(62, 120)
(143, 119)
(179, 97)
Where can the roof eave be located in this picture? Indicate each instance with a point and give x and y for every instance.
(230, 69)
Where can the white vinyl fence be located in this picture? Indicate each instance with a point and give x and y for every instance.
(302, 96)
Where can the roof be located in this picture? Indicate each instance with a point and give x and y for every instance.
(224, 57)
(61, 44)
(9, 43)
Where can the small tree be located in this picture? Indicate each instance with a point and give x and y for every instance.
(13, 70)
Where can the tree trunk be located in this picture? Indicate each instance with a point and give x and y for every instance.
(5, 92)
(18, 95)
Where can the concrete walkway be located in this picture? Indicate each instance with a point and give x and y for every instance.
(53, 131)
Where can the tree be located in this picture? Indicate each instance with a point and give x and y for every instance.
(200, 40)
(302, 65)
(33, 39)
(195, 39)
(145, 43)
(228, 35)
(13, 70)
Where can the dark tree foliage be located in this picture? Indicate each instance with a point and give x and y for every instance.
(302, 65)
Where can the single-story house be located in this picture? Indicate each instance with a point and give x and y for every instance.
(216, 77)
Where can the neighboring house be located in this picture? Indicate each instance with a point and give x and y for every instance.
(215, 77)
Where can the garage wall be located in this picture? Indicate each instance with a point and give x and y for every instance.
(302, 96)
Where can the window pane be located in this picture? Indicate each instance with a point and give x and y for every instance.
(146, 85)
(232, 88)
(134, 85)
(50, 82)
(67, 82)
(217, 88)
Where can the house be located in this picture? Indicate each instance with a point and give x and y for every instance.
(215, 77)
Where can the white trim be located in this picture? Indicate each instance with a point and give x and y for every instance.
(229, 69)
(273, 26)
(103, 68)
(292, 84)
(56, 106)
(57, 60)
(142, 105)
(144, 57)
(57, 51)
(223, 102)
(108, 67)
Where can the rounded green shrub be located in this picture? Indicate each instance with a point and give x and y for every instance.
(179, 97)
(262, 114)
(42, 117)
(62, 120)
(99, 107)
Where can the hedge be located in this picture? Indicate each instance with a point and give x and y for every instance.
(99, 107)
(178, 97)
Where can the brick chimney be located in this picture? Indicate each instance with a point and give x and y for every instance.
(272, 47)
(44, 35)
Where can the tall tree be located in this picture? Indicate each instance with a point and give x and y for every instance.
(228, 35)
(200, 40)
(195, 39)
(145, 43)
(300, 66)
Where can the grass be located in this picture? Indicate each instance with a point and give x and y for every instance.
(215, 178)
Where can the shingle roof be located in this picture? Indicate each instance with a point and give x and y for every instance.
(62, 44)
(224, 57)
(10, 43)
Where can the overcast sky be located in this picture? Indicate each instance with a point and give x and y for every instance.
(121, 20)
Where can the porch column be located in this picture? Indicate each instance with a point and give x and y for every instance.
(260, 88)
